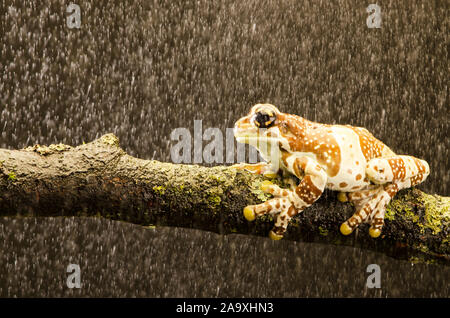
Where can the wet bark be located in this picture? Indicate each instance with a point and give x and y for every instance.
(99, 179)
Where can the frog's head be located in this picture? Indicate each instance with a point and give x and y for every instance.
(261, 124)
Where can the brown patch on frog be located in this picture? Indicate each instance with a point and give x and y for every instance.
(358, 177)
(416, 179)
(284, 156)
(420, 165)
(292, 211)
(398, 168)
(300, 166)
(343, 184)
(307, 136)
(371, 147)
(307, 191)
(391, 189)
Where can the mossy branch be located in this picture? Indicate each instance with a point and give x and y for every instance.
(100, 179)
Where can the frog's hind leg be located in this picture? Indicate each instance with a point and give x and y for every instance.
(389, 191)
(364, 208)
(399, 172)
(397, 168)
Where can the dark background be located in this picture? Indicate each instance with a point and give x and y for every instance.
(140, 69)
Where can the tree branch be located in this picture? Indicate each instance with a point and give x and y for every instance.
(100, 179)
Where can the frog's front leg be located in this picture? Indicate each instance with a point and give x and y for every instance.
(288, 203)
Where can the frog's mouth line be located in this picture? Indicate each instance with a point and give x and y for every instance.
(253, 140)
(253, 137)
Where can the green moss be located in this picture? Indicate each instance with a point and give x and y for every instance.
(414, 260)
(269, 218)
(218, 178)
(110, 139)
(12, 176)
(437, 211)
(159, 189)
(214, 200)
(323, 231)
(398, 207)
(256, 190)
(390, 213)
(48, 150)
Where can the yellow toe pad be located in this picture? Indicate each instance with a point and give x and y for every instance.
(249, 214)
(374, 232)
(265, 185)
(274, 236)
(345, 229)
(342, 196)
(270, 175)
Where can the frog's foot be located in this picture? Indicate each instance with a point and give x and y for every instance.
(367, 203)
(281, 205)
(372, 209)
(397, 172)
(271, 206)
(259, 168)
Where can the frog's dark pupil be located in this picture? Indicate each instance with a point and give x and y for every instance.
(263, 120)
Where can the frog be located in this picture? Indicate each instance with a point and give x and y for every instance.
(312, 157)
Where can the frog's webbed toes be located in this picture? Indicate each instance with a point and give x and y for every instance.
(249, 213)
(371, 210)
(377, 218)
(280, 205)
(269, 174)
(268, 187)
(346, 229)
(258, 168)
(271, 206)
(373, 232)
(274, 236)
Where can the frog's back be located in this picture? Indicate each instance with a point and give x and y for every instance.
(343, 151)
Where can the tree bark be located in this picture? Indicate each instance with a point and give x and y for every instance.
(99, 179)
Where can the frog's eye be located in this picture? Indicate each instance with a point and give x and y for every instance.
(264, 118)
